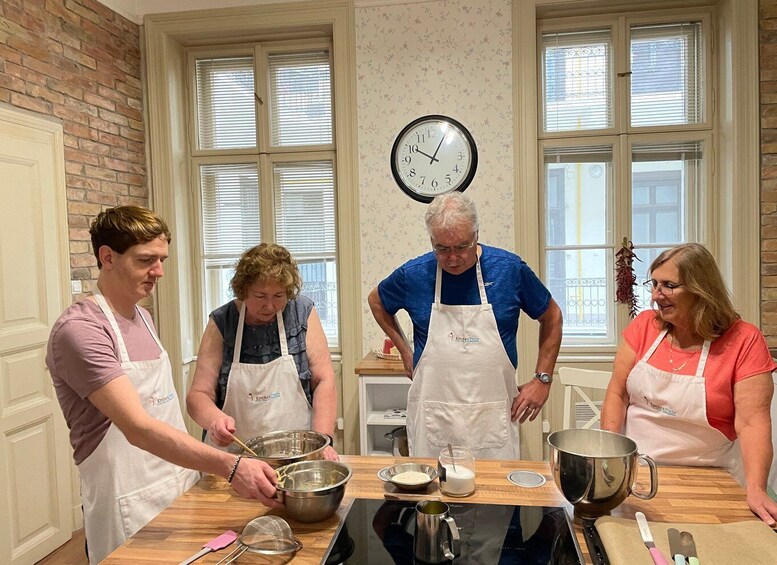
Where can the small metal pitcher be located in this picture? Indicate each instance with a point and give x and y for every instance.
(436, 534)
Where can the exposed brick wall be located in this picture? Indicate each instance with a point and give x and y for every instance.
(78, 61)
(768, 97)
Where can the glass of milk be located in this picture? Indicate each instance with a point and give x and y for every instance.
(457, 471)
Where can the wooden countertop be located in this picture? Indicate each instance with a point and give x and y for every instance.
(372, 365)
(686, 494)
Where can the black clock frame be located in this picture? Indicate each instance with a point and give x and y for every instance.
(434, 118)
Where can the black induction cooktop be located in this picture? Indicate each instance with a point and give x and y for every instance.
(377, 532)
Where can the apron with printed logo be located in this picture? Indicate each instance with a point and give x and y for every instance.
(264, 398)
(124, 487)
(464, 384)
(667, 417)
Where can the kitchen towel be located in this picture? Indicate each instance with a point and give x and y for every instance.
(751, 542)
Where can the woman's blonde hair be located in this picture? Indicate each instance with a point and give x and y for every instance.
(266, 261)
(713, 312)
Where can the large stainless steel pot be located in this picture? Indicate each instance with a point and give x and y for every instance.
(595, 470)
(398, 439)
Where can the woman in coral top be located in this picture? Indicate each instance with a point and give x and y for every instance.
(691, 382)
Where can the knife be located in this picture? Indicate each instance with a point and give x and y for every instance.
(647, 537)
(676, 547)
(689, 548)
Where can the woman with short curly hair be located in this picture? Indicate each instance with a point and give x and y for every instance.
(264, 362)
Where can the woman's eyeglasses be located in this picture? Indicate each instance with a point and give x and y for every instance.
(666, 288)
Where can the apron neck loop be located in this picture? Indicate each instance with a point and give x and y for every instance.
(239, 336)
(705, 351)
(481, 286)
(103, 304)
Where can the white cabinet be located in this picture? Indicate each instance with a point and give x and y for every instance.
(380, 396)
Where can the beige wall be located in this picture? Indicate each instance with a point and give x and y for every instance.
(416, 59)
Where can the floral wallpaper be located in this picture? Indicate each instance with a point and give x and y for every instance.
(414, 59)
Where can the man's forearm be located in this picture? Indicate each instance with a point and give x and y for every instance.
(387, 322)
(550, 339)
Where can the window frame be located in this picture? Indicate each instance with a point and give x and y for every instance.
(166, 38)
(263, 155)
(623, 136)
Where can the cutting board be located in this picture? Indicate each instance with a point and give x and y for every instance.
(751, 542)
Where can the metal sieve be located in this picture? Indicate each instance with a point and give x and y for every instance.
(268, 535)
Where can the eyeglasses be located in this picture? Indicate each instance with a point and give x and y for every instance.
(460, 248)
(666, 288)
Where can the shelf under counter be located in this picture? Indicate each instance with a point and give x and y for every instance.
(378, 419)
(383, 385)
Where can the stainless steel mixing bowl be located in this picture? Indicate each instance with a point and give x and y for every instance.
(595, 469)
(284, 447)
(312, 490)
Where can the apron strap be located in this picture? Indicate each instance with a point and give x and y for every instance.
(438, 284)
(103, 304)
(282, 334)
(705, 351)
(239, 337)
(653, 347)
(481, 286)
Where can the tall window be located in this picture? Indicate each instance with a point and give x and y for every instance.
(263, 155)
(625, 134)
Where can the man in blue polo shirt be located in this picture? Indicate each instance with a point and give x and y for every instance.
(464, 300)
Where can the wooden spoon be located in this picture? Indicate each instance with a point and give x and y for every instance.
(238, 441)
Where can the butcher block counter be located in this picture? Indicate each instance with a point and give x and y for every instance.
(696, 495)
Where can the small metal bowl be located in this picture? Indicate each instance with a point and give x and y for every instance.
(389, 473)
(312, 490)
(285, 447)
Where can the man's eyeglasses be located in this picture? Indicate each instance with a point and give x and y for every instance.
(460, 248)
(666, 288)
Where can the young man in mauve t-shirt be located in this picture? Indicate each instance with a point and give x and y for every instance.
(114, 383)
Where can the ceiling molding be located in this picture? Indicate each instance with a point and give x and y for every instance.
(135, 10)
(374, 3)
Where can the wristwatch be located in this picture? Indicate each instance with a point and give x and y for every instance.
(544, 378)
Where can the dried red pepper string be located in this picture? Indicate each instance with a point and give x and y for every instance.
(625, 277)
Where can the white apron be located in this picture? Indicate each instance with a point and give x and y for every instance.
(667, 418)
(464, 384)
(264, 398)
(124, 487)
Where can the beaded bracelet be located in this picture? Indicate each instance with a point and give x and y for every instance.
(234, 468)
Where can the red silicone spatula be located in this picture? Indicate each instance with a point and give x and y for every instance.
(213, 545)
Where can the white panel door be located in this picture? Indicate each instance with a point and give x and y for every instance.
(35, 467)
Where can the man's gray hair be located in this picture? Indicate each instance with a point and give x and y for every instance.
(450, 210)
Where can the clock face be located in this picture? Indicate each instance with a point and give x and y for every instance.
(433, 155)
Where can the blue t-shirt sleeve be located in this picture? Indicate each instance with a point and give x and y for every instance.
(532, 294)
(393, 291)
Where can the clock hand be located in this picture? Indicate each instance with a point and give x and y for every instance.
(436, 150)
(427, 155)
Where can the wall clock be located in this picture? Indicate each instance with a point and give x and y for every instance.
(433, 155)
